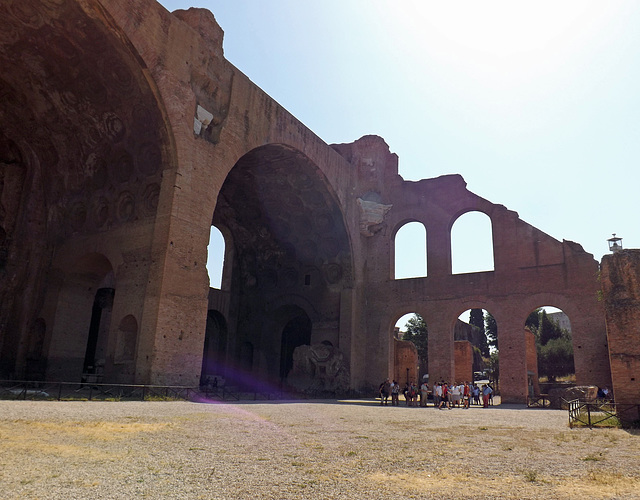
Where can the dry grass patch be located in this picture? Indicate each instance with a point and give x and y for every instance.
(599, 484)
(68, 438)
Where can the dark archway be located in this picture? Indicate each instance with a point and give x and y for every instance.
(295, 333)
(215, 346)
(290, 245)
(96, 351)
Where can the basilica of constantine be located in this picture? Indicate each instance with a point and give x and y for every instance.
(126, 135)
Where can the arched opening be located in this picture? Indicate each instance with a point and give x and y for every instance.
(290, 246)
(472, 244)
(215, 257)
(550, 362)
(215, 347)
(296, 332)
(476, 353)
(96, 350)
(410, 245)
(410, 349)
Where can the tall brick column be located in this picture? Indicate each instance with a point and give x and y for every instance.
(621, 291)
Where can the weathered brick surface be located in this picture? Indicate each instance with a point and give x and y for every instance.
(405, 362)
(532, 362)
(620, 279)
(463, 352)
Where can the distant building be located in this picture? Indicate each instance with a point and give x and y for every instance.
(560, 319)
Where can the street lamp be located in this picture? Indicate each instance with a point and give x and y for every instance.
(615, 244)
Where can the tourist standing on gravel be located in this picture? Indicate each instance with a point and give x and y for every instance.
(454, 395)
(445, 396)
(385, 389)
(424, 393)
(437, 394)
(466, 395)
(395, 393)
(486, 394)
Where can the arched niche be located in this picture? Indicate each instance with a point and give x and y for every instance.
(127, 339)
(80, 329)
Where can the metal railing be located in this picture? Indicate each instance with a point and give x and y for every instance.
(94, 391)
(540, 401)
(601, 413)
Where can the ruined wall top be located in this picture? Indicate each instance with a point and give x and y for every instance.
(376, 165)
(205, 24)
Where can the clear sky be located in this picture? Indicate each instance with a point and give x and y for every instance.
(535, 104)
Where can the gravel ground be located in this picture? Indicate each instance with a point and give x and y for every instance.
(311, 449)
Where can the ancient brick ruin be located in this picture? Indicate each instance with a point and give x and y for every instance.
(621, 291)
(126, 135)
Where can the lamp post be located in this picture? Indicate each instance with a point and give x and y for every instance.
(615, 244)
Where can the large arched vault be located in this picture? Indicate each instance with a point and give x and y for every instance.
(83, 144)
(290, 247)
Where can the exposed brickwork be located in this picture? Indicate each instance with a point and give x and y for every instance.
(620, 279)
(405, 362)
(532, 363)
(464, 361)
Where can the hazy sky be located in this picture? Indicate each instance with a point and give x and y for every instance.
(535, 104)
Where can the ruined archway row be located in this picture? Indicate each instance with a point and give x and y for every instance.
(515, 352)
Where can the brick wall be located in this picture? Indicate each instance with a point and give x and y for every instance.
(463, 352)
(620, 280)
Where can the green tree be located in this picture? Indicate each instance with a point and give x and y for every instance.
(494, 367)
(476, 319)
(533, 320)
(548, 329)
(555, 349)
(491, 330)
(555, 358)
(418, 334)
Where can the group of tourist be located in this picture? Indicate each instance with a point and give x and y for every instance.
(444, 395)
